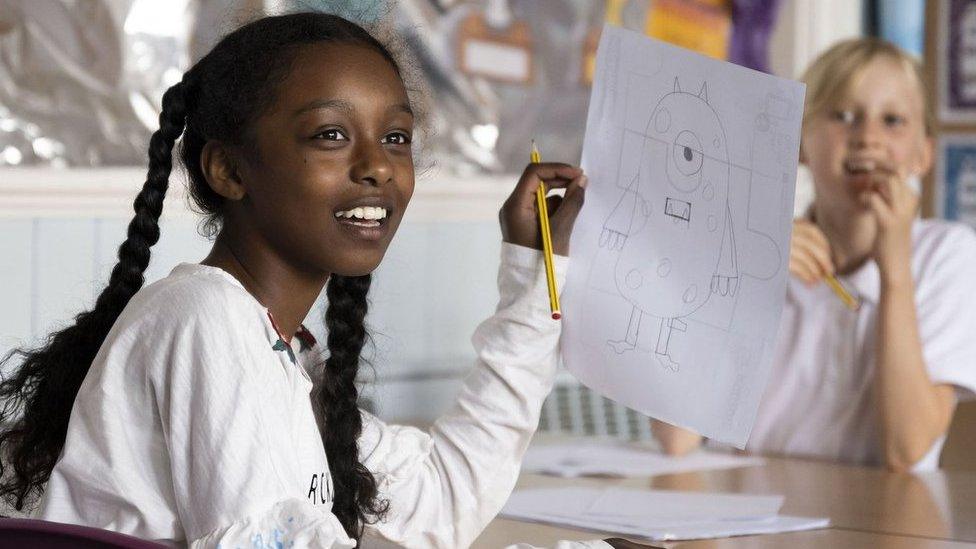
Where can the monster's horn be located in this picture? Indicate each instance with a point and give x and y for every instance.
(704, 92)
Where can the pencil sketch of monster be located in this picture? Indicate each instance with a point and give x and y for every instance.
(672, 225)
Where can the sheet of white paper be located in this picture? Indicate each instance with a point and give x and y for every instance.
(613, 458)
(690, 531)
(571, 501)
(657, 507)
(547, 506)
(679, 258)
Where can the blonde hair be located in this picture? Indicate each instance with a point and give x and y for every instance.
(830, 76)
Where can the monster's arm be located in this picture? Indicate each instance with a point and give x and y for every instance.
(618, 226)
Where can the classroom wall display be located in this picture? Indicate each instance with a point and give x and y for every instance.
(499, 72)
(503, 54)
(957, 61)
(679, 262)
(752, 29)
(700, 25)
(902, 22)
(81, 87)
(955, 175)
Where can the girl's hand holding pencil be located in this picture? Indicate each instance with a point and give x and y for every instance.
(552, 217)
(810, 260)
(519, 215)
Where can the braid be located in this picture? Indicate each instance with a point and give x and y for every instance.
(355, 501)
(45, 385)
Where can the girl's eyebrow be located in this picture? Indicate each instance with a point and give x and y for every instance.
(346, 107)
(400, 107)
(317, 104)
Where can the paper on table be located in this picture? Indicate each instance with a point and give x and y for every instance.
(679, 258)
(632, 506)
(571, 501)
(649, 507)
(702, 530)
(621, 459)
(562, 506)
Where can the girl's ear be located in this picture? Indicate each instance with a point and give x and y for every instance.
(219, 167)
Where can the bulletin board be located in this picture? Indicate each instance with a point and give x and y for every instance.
(950, 70)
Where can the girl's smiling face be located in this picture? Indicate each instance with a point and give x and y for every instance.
(328, 170)
(879, 122)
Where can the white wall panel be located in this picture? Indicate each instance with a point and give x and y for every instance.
(399, 300)
(418, 401)
(63, 268)
(461, 288)
(15, 282)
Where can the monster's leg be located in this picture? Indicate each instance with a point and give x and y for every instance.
(630, 341)
(664, 341)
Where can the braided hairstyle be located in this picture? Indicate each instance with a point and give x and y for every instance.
(218, 99)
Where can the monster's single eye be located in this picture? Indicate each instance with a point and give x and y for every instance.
(687, 153)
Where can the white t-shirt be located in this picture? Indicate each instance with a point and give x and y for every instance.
(195, 426)
(819, 398)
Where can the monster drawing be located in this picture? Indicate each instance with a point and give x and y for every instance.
(672, 225)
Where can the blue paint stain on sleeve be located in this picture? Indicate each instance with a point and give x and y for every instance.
(274, 541)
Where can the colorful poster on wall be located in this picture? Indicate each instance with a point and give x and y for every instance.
(752, 28)
(956, 177)
(957, 61)
(699, 25)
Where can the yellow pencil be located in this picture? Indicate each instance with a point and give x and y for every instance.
(540, 199)
(849, 300)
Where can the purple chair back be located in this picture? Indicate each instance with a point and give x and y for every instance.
(41, 534)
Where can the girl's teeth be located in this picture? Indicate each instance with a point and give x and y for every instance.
(863, 166)
(364, 212)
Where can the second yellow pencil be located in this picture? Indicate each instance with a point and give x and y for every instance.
(842, 293)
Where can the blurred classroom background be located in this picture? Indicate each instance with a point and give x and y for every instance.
(80, 89)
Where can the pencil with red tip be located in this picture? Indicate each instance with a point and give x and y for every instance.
(540, 198)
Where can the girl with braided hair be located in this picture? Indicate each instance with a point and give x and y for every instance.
(198, 410)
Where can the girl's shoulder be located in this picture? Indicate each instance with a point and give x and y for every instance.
(932, 238)
(943, 255)
(937, 229)
(197, 318)
(192, 294)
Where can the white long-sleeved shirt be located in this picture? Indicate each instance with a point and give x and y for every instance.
(195, 426)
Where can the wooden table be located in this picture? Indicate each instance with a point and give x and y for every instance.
(867, 507)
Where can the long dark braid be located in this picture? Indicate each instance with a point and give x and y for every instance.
(220, 97)
(43, 389)
(355, 502)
